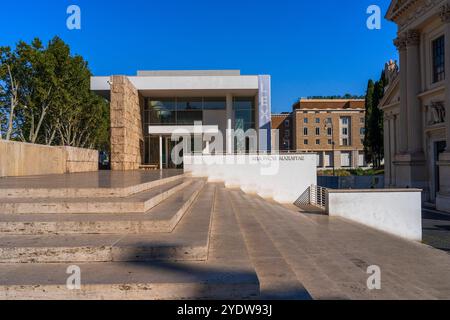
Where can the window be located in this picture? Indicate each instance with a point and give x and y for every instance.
(329, 120)
(305, 141)
(244, 112)
(362, 120)
(438, 59)
(362, 131)
(305, 120)
(317, 120)
(329, 131)
(305, 131)
(287, 133)
(317, 141)
(214, 104)
(287, 123)
(330, 142)
(345, 131)
(345, 120)
(317, 131)
(344, 142)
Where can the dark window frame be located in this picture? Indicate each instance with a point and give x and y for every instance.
(438, 59)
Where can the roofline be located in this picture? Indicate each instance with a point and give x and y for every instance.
(331, 100)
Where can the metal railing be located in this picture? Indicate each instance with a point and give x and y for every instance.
(313, 196)
(318, 196)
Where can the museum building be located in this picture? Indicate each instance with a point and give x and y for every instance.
(148, 108)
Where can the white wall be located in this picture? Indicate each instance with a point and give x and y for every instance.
(281, 177)
(397, 212)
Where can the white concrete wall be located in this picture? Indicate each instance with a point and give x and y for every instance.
(397, 212)
(281, 177)
(183, 83)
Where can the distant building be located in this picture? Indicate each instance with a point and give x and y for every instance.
(283, 122)
(416, 102)
(332, 128)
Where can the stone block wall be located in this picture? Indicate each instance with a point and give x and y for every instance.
(24, 159)
(80, 160)
(126, 125)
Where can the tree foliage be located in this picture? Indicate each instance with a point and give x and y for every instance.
(45, 97)
(373, 138)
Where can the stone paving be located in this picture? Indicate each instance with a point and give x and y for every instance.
(250, 248)
(436, 229)
(100, 179)
(330, 256)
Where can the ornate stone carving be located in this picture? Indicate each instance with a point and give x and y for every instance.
(408, 13)
(445, 13)
(400, 42)
(412, 37)
(390, 71)
(436, 113)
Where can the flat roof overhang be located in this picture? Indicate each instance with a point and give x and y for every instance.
(169, 130)
(184, 86)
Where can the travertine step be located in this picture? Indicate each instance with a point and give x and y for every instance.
(157, 280)
(138, 203)
(188, 241)
(162, 218)
(226, 274)
(86, 184)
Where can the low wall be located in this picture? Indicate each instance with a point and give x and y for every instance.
(25, 159)
(397, 212)
(283, 178)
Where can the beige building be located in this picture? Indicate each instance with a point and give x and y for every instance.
(334, 129)
(416, 102)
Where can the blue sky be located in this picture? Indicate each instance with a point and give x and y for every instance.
(320, 47)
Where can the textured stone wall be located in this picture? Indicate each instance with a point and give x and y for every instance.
(25, 159)
(80, 160)
(126, 125)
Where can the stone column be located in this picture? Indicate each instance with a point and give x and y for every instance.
(445, 16)
(400, 43)
(229, 136)
(126, 125)
(415, 143)
(443, 197)
(387, 154)
(392, 148)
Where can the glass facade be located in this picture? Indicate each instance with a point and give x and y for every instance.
(244, 113)
(181, 111)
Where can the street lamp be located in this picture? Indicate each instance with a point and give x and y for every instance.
(329, 125)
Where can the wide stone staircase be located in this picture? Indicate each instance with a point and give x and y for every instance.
(169, 239)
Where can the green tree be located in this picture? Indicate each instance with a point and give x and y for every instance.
(367, 133)
(54, 103)
(373, 139)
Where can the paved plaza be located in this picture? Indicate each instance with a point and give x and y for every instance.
(436, 229)
(187, 238)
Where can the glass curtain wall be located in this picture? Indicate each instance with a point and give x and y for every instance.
(187, 111)
(244, 119)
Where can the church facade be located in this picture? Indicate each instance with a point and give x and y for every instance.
(416, 102)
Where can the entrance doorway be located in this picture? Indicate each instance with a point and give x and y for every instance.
(439, 147)
(158, 152)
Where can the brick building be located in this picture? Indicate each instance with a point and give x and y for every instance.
(334, 129)
(283, 122)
